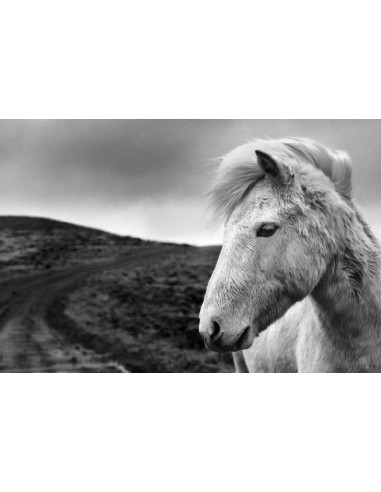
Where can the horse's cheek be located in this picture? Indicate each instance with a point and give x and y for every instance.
(299, 268)
(268, 257)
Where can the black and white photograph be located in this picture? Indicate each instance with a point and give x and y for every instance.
(190, 246)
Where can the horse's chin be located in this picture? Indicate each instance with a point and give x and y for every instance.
(248, 336)
(244, 341)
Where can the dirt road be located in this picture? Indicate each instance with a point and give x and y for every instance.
(28, 343)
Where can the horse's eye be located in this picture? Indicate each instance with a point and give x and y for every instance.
(266, 230)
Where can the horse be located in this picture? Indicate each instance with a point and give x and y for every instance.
(297, 284)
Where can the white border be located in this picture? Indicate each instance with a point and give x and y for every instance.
(189, 432)
(204, 59)
(208, 59)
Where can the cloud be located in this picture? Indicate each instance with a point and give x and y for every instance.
(149, 177)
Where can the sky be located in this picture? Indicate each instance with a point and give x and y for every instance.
(150, 178)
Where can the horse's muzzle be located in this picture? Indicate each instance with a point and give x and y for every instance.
(218, 340)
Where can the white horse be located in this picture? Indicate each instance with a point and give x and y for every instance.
(297, 286)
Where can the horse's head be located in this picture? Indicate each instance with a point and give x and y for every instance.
(280, 235)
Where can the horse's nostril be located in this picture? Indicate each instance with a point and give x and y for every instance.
(216, 330)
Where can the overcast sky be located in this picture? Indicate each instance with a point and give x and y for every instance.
(149, 178)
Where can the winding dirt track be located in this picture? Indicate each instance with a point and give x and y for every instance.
(28, 344)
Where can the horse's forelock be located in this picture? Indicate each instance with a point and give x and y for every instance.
(238, 170)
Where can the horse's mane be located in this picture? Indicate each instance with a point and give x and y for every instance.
(238, 170)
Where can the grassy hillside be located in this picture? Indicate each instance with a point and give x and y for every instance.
(144, 317)
(32, 245)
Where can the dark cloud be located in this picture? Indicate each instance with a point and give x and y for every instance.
(149, 177)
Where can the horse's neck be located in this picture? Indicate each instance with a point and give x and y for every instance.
(348, 298)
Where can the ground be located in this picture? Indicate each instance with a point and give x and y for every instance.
(77, 299)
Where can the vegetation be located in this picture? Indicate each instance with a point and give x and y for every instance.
(147, 318)
(30, 245)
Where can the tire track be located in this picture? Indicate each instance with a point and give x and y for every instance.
(28, 343)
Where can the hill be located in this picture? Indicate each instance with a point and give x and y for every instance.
(25, 223)
(33, 244)
(144, 316)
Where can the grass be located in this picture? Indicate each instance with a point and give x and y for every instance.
(30, 245)
(147, 318)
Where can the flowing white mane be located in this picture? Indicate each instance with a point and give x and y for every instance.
(238, 170)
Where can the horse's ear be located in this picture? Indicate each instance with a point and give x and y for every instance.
(273, 168)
